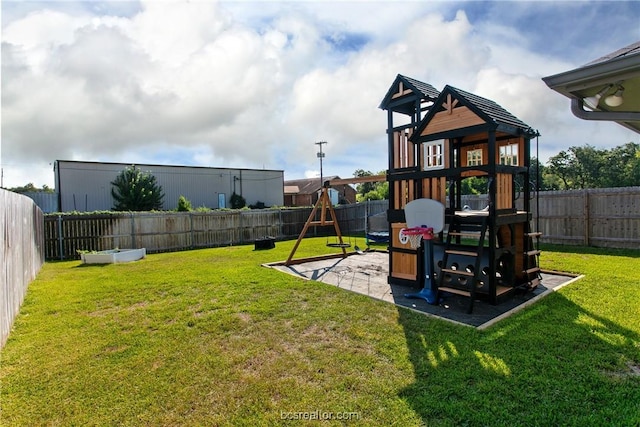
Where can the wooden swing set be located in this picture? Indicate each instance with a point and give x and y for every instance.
(328, 215)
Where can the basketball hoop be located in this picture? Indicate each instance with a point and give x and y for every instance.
(414, 235)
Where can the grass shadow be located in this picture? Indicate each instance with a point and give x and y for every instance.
(579, 369)
(83, 265)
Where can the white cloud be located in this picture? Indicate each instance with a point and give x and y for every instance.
(255, 84)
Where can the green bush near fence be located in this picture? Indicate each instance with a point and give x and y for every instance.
(209, 337)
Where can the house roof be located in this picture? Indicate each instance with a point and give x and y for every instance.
(632, 49)
(307, 185)
(291, 189)
(403, 93)
(619, 67)
(487, 115)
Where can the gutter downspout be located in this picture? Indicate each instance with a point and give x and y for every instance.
(577, 108)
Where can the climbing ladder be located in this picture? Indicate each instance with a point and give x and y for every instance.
(462, 278)
(531, 254)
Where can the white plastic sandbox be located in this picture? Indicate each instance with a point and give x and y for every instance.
(113, 256)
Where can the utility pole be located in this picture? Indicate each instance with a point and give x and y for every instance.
(321, 156)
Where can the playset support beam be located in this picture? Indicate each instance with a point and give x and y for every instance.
(323, 203)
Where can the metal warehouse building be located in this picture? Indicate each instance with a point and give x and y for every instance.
(86, 186)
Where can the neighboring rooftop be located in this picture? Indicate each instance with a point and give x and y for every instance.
(306, 185)
(632, 49)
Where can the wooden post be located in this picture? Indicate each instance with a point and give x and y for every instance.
(586, 217)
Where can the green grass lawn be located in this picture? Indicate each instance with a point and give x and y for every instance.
(209, 337)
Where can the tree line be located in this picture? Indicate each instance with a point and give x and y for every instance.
(571, 169)
(591, 167)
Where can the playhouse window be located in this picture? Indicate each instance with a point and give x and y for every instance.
(433, 155)
(474, 157)
(509, 155)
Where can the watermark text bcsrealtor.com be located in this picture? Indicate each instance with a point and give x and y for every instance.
(319, 415)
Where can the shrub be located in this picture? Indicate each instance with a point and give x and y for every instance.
(237, 201)
(258, 205)
(184, 205)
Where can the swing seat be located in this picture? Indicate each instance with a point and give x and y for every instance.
(339, 245)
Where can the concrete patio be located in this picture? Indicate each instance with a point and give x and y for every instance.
(366, 274)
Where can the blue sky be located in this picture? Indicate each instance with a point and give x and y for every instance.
(255, 84)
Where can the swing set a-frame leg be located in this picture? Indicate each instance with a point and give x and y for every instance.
(324, 202)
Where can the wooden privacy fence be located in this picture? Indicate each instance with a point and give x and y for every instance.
(21, 254)
(597, 217)
(65, 235)
(604, 217)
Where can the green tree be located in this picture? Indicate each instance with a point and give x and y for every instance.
(474, 185)
(135, 190)
(30, 188)
(184, 205)
(364, 187)
(563, 165)
(371, 195)
(237, 201)
(634, 168)
(371, 190)
(383, 189)
(589, 161)
(621, 166)
(589, 167)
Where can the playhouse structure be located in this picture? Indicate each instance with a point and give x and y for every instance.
(436, 140)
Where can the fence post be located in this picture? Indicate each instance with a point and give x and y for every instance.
(587, 218)
(60, 241)
(192, 233)
(133, 232)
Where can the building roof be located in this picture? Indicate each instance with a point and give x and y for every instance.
(621, 67)
(291, 189)
(632, 49)
(307, 185)
(145, 166)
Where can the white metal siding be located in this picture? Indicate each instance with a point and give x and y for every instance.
(48, 202)
(86, 186)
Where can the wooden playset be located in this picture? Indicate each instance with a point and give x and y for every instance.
(324, 215)
(437, 139)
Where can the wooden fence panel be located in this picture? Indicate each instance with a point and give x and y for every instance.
(613, 217)
(21, 254)
(293, 221)
(256, 225)
(561, 217)
(65, 235)
(213, 229)
(607, 217)
(159, 232)
(603, 217)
